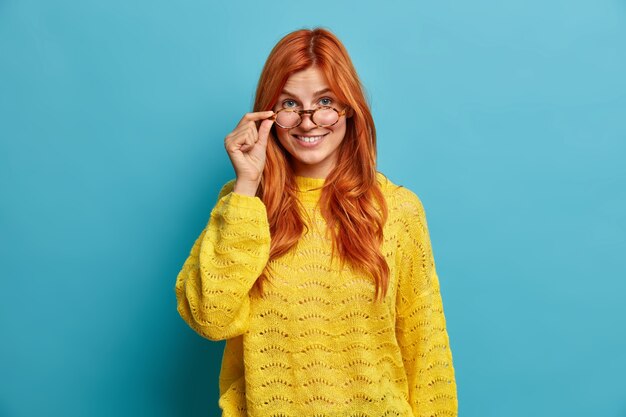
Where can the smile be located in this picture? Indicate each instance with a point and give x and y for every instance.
(309, 139)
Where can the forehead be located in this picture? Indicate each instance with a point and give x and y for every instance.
(306, 83)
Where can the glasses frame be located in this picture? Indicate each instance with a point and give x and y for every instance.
(310, 113)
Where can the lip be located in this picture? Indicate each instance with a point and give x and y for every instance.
(309, 145)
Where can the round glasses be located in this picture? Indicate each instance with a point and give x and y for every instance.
(323, 116)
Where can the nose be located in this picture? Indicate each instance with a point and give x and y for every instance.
(307, 121)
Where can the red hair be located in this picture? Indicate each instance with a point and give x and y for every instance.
(352, 202)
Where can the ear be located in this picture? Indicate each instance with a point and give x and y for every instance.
(350, 112)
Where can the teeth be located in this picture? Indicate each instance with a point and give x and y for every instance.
(310, 139)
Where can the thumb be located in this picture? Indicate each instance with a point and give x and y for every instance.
(264, 131)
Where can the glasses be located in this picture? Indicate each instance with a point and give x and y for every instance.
(323, 116)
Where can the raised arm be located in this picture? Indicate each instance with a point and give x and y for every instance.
(420, 321)
(212, 288)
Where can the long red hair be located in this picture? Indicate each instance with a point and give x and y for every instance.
(351, 202)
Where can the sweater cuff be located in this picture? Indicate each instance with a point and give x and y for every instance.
(241, 206)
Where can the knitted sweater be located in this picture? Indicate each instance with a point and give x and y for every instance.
(317, 344)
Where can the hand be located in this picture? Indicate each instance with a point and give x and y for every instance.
(246, 148)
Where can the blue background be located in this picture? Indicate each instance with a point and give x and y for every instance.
(507, 118)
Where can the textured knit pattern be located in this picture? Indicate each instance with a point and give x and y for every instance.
(317, 344)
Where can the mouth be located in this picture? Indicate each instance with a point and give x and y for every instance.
(309, 140)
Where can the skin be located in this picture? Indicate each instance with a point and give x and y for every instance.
(246, 146)
(314, 162)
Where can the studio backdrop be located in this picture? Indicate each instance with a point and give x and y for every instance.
(507, 119)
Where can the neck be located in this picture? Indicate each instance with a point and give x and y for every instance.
(321, 170)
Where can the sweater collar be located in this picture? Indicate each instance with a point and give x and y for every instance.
(310, 189)
(308, 184)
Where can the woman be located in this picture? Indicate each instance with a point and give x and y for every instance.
(314, 267)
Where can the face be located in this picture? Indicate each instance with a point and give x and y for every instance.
(305, 90)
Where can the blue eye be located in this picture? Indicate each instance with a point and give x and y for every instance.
(288, 101)
(329, 101)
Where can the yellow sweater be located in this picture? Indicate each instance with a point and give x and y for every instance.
(317, 345)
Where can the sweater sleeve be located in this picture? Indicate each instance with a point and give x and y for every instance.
(420, 321)
(212, 288)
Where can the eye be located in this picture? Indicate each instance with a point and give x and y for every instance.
(288, 101)
(328, 101)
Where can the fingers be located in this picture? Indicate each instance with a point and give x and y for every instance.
(252, 117)
(264, 131)
(245, 135)
(249, 138)
(242, 138)
(247, 158)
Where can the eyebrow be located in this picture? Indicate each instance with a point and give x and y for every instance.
(317, 93)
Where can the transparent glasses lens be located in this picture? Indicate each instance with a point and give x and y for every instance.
(323, 116)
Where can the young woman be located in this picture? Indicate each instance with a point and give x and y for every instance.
(314, 267)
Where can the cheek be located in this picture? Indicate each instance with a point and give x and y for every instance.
(283, 137)
(339, 130)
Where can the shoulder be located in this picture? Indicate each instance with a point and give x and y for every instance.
(405, 209)
(400, 199)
